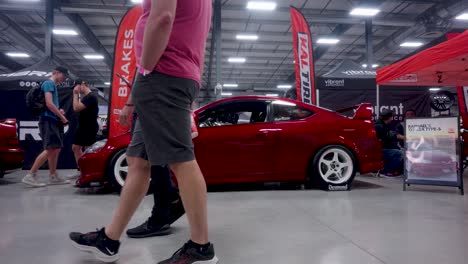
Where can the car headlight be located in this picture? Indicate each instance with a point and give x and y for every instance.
(96, 146)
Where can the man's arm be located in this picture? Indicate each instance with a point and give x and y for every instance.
(77, 105)
(51, 106)
(157, 32)
(127, 112)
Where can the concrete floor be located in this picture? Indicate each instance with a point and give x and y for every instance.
(374, 223)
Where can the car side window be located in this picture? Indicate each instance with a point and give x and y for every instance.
(234, 113)
(289, 112)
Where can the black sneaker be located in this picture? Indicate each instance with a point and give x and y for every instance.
(103, 248)
(150, 228)
(189, 254)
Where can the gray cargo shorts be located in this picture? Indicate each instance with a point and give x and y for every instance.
(52, 132)
(163, 126)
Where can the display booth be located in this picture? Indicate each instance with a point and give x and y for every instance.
(13, 90)
(349, 84)
(433, 141)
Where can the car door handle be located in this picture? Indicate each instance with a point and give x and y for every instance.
(262, 133)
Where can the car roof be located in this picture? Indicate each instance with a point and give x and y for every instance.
(255, 97)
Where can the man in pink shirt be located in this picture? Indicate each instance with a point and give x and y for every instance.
(170, 42)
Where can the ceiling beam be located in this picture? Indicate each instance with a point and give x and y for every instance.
(441, 13)
(7, 62)
(26, 40)
(90, 38)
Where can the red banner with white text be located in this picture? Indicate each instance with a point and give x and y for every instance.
(304, 60)
(124, 69)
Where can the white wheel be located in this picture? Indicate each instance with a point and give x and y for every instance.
(121, 169)
(335, 166)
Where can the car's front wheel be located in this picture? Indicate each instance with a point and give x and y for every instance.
(118, 170)
(333, 166)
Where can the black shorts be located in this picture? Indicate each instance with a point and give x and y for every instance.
(163, 104)
(85, 137)
(51, 131)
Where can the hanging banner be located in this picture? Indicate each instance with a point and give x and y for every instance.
(124, 69)
(304, 60)
(433, 152)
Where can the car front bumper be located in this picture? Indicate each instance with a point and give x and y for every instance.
(93, 170)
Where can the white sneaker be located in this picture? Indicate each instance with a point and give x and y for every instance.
(74, 176)
(56, 180)
(31, 180)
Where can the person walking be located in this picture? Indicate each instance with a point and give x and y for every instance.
(51, 128)
(86, 104)
(170, 42)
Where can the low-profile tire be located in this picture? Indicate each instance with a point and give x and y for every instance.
(117, 170)
(333, 165)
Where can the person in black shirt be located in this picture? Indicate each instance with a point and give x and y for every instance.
(86, 104)
(392, 154)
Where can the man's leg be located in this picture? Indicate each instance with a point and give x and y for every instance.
(77, 152)
(192, 188)
(52, 157)
(167, 206)
(40, 160)
(134, 190)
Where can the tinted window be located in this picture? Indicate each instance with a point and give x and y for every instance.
(234, 113)
(289, 112)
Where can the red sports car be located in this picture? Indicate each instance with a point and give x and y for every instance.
(11, 155)
(261, 139)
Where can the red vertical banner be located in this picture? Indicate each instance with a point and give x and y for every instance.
(124, 67)
(304, 65)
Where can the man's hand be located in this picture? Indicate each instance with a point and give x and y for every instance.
(125, 115)
(400, 137)
(64, 120)
(76, 90)
(62, 111)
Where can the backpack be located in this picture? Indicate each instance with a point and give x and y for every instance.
(35, 101)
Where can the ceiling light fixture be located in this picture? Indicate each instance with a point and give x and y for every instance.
(411, 44)
(373, 65)
(361, 11)
(65, 32)
(93, 57)
(261, 6)
(434, 89)
(137, 1)
(17, 55)
(107, 83)
(272, 95)
(246, 37)
(328, 40)
(230, 85)
(236, 60)
(463, 16)
(226, 94)
(284, 86)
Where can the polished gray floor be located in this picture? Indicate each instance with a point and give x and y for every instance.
(374, 223)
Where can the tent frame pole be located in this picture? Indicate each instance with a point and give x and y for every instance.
(377, 114)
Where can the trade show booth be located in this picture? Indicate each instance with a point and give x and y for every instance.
(13, 89)
(434, 149)
(350, 84)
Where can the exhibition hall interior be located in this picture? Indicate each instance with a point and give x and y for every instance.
(233, 131)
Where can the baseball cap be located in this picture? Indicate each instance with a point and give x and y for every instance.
(386, 113)
(62, 70)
